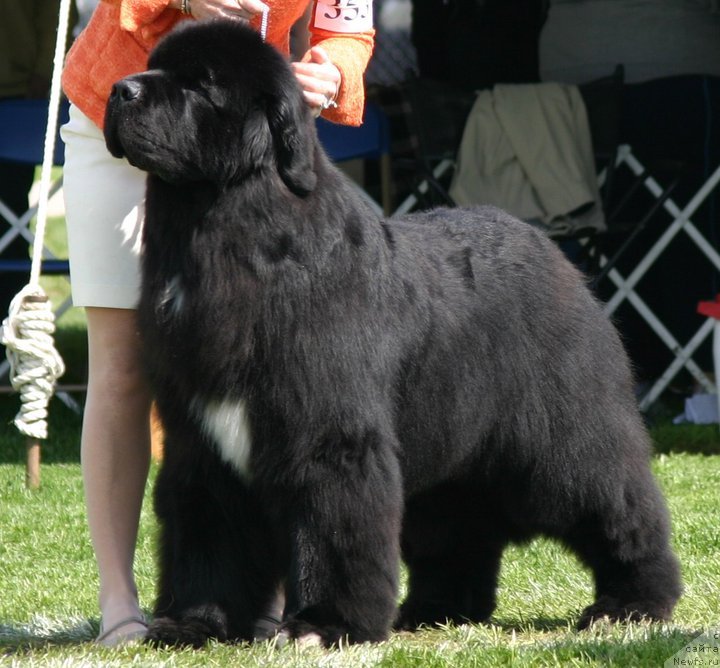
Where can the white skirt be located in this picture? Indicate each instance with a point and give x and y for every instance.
(104, 212)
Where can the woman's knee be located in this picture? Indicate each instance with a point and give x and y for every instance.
(115, 353)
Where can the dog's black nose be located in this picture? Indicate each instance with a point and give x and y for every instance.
(126, 90)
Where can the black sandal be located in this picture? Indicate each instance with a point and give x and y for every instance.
(103, 637)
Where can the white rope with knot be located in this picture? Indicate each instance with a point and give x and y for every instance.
(35, 364)
(28, 330)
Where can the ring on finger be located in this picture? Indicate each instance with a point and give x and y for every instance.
(329, 100)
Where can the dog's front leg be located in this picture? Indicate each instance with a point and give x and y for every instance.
(218, 566)
(344, 536)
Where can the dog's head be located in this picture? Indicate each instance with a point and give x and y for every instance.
(215, 105)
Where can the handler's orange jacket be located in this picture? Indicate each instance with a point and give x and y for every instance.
(121, 33)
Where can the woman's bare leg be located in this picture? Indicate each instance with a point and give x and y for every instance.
(115, 460)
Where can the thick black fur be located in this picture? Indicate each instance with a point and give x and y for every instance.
(432, 387)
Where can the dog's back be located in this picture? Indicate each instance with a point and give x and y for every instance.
(510, 338)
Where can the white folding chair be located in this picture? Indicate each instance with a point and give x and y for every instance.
(626, 287)
(22, 133)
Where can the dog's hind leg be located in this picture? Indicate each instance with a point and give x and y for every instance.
(217, 564)
(628, 550)
(344, 534)
(453, 560)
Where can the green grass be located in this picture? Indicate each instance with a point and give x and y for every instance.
(48, 583)
(48, 611)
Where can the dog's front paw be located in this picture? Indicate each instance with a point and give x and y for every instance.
(306, 634)
(192, 629)
(312, 627)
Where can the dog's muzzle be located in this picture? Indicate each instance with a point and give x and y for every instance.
(125, 90)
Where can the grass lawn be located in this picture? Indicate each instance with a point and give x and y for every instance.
(48, 583)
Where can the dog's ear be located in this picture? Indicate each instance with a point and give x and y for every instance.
(293, 139)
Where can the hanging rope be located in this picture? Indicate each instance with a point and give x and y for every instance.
(28, 330)
(35, 365)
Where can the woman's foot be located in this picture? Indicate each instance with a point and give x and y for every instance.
(122, 632)
(267, 625)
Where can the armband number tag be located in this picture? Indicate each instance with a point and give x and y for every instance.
(343, 15)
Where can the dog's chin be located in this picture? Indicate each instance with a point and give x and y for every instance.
(111, 130)
(122, 142)
(112, 141)
(163, 169)
(124, 149)
(139, 159)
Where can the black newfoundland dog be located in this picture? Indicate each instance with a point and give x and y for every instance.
(341, 392)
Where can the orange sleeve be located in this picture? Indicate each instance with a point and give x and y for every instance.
(134, 14)
(350, 54)
(349, 50)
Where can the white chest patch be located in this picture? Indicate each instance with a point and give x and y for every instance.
(226, 423)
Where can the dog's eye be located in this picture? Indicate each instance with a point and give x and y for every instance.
(202, 88)
(212, 95)
(200, 83)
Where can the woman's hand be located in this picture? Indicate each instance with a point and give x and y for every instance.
(319, 79)
(222, 9)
